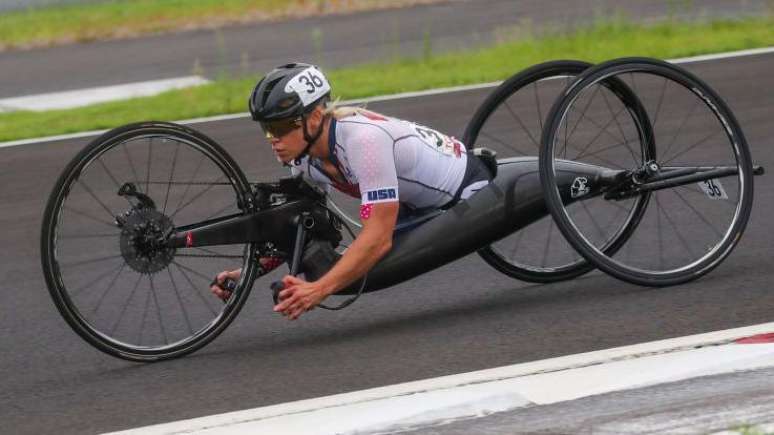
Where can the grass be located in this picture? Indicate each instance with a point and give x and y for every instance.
(605, 40)
(747, 429)
(53, 25)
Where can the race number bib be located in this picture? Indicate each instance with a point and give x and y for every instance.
(713, 189)
(445, 144)
(310, 84)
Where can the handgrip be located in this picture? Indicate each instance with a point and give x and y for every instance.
(228, 285)
(276, 288)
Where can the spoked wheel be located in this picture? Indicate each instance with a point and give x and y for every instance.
(699, 176)
(103, 252)
(510, 121)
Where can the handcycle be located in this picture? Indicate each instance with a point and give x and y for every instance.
(143, 217)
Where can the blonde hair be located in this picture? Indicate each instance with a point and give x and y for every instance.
(339, 111)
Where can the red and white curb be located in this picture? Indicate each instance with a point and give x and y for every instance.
(449, 398)
(684, 60)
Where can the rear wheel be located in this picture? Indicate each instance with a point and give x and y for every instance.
(109, 274)
(510, 121)
(699, 175)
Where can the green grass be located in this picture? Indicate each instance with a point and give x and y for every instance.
(597, 43)
(53, 25)
(747, 429)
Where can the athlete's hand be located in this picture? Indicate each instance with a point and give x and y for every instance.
(298, 297)
(218, 290)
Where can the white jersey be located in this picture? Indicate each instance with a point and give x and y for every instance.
(386, 159)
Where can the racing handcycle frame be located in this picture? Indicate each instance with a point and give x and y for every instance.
(290, 219)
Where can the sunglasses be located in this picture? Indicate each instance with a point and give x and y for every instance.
(281, 127)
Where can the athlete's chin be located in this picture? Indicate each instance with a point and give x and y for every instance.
(283, 157)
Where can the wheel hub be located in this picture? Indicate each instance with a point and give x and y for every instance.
(144, 236)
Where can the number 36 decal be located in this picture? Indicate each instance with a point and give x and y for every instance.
(713, 189)
(309, 85)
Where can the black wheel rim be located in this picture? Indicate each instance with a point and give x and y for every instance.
(538, 253)
(684, 232)
(119, 306)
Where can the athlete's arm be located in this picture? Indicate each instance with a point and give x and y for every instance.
(373, 243)
(374, 166)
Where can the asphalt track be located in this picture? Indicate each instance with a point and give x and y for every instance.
(461, 317)
(330, 41)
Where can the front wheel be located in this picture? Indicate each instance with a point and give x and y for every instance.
(111, 279)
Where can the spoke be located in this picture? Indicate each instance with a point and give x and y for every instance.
(602, 159)
(613, 220)
(701, 217)
(180, 301)
(144, 315)
(619, 205)
(208, 256)
(507, 145)
(606, 131)
(660, 234)
(193, 287)
(112, 283)
(521, 123)
(171, 174)
(680, 128)
(158, 310)
(195, 272)
(537, 103)
(598, 134)
(131, 163)
(195, 172)
(658, 106)
(113, 178)
(197, 196)
(92, 261)
(78, 291)
(87, 215)
(189, 183)
(585, 109)
(603, 238)
(199, 248)
(547, 245)
(620, 128)
(704, 195)
(109, 174)
(87, 236)
(674, 227)
(148, 170)
(217, 213)
(519, 236)
(126, 305)
(705, 139)
(99, 201)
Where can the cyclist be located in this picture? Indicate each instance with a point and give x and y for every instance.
(400, 170)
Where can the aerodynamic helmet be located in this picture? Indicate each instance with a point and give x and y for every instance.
(288, 91)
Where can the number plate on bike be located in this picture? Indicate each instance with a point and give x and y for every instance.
(713, 189)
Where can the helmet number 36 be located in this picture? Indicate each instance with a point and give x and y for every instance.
(310, 84)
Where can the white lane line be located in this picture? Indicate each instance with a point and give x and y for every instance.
(703, 58)
(102, 94)
(432, 401)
